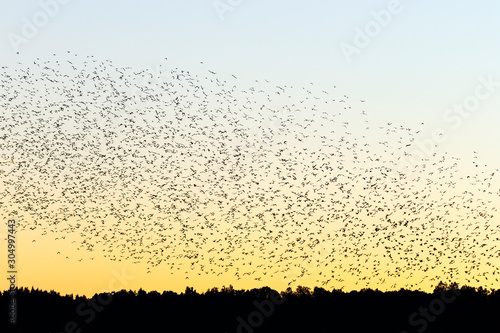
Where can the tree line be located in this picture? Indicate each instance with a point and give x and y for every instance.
(449, 308)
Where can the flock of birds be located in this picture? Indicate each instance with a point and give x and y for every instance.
(166, 167)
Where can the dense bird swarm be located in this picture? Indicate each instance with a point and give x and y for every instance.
(209, 177)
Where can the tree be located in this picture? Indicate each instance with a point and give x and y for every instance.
(318, 292)
(440, 287)
(302, 290)
(228, 290)
(190, 291)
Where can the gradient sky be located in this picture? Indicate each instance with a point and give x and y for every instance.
(429, 57)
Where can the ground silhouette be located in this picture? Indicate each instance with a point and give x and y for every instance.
(447, 309)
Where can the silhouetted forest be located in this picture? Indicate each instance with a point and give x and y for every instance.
(449, 308)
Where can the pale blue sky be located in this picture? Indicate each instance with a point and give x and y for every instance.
(426, 59)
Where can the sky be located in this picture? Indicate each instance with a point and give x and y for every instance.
(405, 63)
